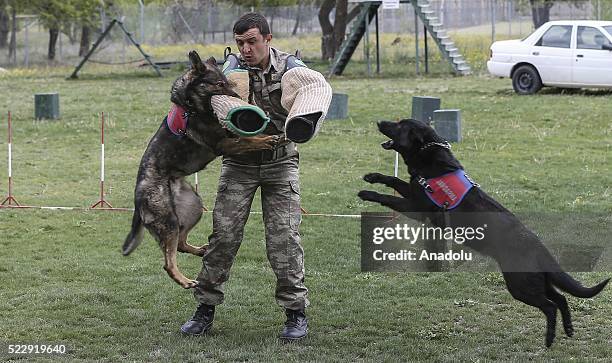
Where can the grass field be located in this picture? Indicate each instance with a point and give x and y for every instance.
(64, 281)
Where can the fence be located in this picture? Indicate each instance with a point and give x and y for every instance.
(210, 22)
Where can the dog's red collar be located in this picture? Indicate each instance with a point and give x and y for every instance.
(447, 191)
(177, 120)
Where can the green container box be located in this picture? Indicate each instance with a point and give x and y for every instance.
(448, 124)
(338, 109)
(424, 107)
(46, 106)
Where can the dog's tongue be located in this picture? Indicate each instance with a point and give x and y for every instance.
(387, 144)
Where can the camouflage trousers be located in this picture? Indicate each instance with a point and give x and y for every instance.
(280, 198)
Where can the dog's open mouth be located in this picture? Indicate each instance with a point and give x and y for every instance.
(387, 144)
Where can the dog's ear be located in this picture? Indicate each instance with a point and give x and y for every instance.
(405, 140)
(196, 62)
(417, 136)
(212, 61)
(411, 135)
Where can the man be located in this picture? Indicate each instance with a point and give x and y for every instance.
(274, 171)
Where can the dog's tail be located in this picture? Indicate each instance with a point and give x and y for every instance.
(567, 283)
(134, 238)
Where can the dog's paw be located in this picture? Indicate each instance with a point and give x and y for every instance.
(190, 284)
(373, 177)
(550, 338)
(201, 250)
(272, 140)
(569, 330)
(266, 142)
(367, 195)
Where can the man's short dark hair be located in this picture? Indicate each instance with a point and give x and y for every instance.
(250, 21)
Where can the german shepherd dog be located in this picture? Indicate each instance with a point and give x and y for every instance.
(531, 273)
(165, 204)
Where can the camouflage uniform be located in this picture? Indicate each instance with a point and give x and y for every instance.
(276, 172)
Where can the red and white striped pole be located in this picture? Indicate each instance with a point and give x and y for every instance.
(101, 203)
(10, 201)
(196, 182)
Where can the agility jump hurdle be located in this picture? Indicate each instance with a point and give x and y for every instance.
(11, 202)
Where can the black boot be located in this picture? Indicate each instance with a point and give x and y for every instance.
(296, 326)
(201, 322)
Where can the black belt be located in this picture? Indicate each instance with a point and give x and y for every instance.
(266, 156)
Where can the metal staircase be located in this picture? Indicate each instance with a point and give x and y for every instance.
(434, 26)
(440, 36)
(368, 9)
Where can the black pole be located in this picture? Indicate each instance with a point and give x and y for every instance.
(108, 28)
(426, 50)
(416, 40)
(377, 46)
(145, 55)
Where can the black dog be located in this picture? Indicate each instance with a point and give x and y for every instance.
(530, 271)
(164, 202)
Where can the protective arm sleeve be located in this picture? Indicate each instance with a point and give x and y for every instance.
(307, 96)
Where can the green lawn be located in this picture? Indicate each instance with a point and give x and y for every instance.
(64, 280)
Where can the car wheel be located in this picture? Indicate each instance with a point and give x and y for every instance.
(526, 80)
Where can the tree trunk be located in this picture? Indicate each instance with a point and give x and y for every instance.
(297, 19)
(12, 57)
(327, 38)
(71, 30)
(273, 12)
(4, 26)
(175, 24)
(85, 40)
(540, 11)
(340, 23)
(333, 35)
(53, 35)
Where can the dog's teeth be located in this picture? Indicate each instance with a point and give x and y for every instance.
(387, 144)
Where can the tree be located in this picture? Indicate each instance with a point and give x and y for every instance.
(86, 15)
(270, 6)
(333, 34)
(4, 24)
(63, 15)
(85, 40)
(13, 42)
(540, 9)
(298, 17)
(14, 6)
(52, 13)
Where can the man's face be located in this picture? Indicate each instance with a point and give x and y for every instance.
(253, 46)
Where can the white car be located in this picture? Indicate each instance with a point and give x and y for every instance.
(569, 54)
